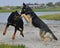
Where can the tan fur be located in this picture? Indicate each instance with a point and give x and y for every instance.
(16, 17)
(42, 35)
(13, 37)
(46, 37)
(5, 30)
(27, 17)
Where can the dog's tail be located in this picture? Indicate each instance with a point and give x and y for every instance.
(54, 37)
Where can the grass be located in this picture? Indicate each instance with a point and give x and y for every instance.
(34, 9)
(11, 46)
(51, 17)
(46, 9)
(9, 10)
(6, 10)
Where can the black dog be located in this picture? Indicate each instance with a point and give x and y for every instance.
(15, 20)
(37, 22)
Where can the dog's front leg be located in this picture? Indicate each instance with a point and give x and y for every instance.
(21, 32)
(5, 30)
(13, 36)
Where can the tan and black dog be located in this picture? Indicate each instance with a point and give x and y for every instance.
(29, 15)
(15, 20)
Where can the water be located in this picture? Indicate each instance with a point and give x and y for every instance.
(46, 13)
(4, 16)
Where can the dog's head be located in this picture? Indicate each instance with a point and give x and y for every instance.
(17, 15)
(26, 12)
(14, 15)
(25, 9)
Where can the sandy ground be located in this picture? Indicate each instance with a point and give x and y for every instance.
(31, 37)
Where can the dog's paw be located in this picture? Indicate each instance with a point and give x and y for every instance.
(22, 34)
(4, 33)
(13, 37)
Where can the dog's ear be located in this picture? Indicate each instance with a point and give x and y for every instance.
(24, 4)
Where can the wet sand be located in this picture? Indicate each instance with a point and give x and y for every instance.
(31, 37)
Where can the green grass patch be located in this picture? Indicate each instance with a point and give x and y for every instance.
(34, 9)
(51, 17)
(11, 46)
(46, 9)
(7, 10)
(10, 10)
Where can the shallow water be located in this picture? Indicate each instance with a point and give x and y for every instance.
(31, 37)
(4, 16)
(31, 34)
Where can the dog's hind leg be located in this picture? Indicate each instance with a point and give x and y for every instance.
(13, 37)
(47, 36)
(42, 33)
(21, 32)
(5, 30)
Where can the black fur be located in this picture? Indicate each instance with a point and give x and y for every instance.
(36, 21)
(15, 20)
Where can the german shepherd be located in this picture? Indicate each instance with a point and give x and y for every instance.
(29, 15)
(15, 20)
